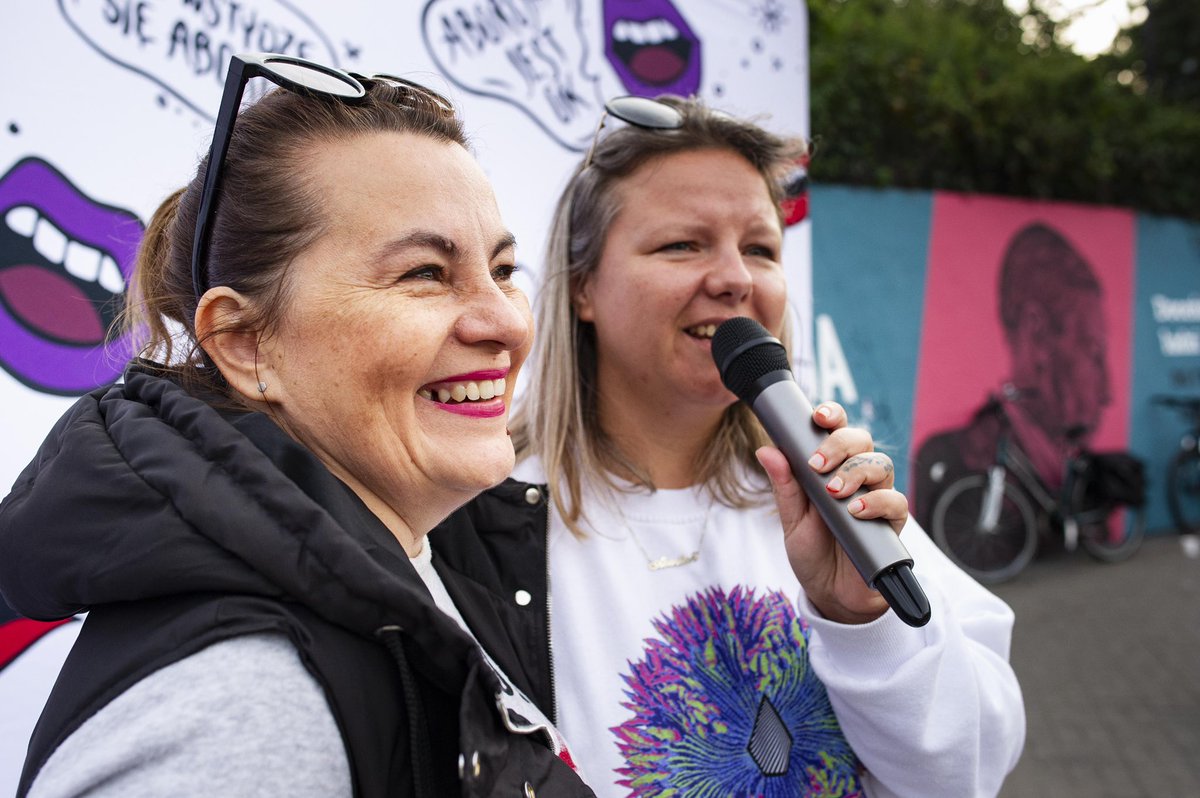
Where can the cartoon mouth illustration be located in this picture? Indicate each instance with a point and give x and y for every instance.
(651, 47)
(795, 194)
(64, 263)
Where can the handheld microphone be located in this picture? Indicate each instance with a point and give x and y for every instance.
(754, 366)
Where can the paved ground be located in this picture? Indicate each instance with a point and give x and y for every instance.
(1109, 662)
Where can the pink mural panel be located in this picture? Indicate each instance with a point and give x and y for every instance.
(1066, 301)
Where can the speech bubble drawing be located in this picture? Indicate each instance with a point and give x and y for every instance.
(184, 47)
(532, 54)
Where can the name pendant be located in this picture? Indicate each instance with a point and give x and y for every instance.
(673, 562)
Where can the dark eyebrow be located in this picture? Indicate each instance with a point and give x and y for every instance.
(426, 239)
(507, 241)
(420, 239)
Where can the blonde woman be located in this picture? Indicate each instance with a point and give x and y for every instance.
(706, 639)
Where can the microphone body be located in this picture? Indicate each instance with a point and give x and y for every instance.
(754, 365)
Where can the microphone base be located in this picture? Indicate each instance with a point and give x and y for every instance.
(904, 594)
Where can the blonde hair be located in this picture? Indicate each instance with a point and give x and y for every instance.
(557, 418)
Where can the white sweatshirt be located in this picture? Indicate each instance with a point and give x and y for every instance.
(718, 677)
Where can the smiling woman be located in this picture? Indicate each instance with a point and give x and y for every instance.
(244, 517)
(346, 366)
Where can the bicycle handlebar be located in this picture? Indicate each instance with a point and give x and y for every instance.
(1185, 402)
(997, 402)
(1186, 406)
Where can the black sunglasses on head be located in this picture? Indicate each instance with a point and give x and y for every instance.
(294, 74)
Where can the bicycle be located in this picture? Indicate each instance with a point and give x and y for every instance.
(987, 522)
(1183, 472)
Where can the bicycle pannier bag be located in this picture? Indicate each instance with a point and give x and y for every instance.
(1117, 477)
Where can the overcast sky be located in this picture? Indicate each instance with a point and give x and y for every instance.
(1093, 32)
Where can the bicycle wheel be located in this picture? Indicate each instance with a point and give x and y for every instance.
(1183, 491)
(1108, 530)
(989, 555)
(1115, 540)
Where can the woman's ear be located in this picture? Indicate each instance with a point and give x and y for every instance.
(581, 300)
(232, 346)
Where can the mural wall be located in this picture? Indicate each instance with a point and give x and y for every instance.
(109, 104)
(928, 303)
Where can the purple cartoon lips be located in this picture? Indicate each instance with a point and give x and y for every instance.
(651, 47)
(64, 263)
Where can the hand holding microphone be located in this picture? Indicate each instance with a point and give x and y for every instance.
(754, 366)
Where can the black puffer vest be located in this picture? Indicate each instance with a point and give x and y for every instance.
(177, 527)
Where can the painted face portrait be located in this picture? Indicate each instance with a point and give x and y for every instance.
(1053, 316)
(1076, 380)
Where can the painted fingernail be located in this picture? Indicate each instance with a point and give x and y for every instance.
(817, 461)
(857, 506)
(835, 485)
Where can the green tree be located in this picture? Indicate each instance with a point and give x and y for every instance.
(1162, 52)
(966, 95)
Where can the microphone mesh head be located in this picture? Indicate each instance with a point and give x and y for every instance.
(744, 351)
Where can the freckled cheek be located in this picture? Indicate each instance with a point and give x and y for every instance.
(397, 370)
(373, 361)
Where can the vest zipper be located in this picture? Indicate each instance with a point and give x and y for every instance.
(549, 625)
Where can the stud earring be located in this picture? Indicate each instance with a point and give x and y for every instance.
(262, 387)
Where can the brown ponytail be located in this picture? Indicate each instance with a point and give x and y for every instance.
(151, 301)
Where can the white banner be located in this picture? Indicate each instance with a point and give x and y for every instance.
(108, 104)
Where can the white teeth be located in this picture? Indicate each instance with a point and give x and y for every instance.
(467, 391)
(79, 260)
(110, 276)
(651, 31)
(660, 30)
(49, 241)
(82, 261)
(22, 220)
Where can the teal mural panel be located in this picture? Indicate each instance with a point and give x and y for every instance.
(869, 254)
(1166, 346)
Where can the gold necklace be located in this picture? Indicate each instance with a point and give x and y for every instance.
(660, 563)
